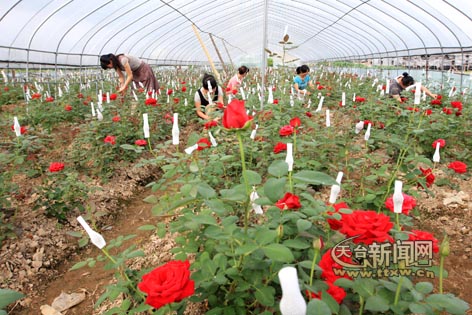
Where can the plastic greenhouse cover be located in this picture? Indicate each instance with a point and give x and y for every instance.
(76, 32)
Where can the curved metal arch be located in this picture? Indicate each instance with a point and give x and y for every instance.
(126, 27)
(9, 10)
(359, 38)
(175, 32)
(36, 31)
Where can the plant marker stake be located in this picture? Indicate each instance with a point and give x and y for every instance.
(146, 125)
(253, 132)
(309, 103)
(335, 189)
(436, 156)
(108, 97)
(16, 126)
(359, 126)
(292, 301)
(5, 77)
(387, 85)
(212, 139)
(190, 149)
(367, 133)
(398, 197)
(320, 104)
(254, 196)
(354, 97)
(328, 119)
(95, 237)
(99, 115)
(93, 109)
(185, 102)
(289, 157)
(243, 95)
(210, 88)
(451, 91)
(270, 98)
(134, 85)
(417, 93)
(175, 129)
(135, 96)
(343, 99)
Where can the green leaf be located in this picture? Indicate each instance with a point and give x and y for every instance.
(303, 225)
(447, 302)
(75, 233)
(2, 312)
(265, 236)
(206, 191)
(278, 252)
(246, 249)
(424, 287)
(278, 168)
(297, 243)
(78, 265)
(151, 199)
(376, 304)
(148, 227)
(8, 296)
(417, 308)
(253, 178)
(265, 295)
(318, 307)
(314, 178)
(274, 188)
(344, 283)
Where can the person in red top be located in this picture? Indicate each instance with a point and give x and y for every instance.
(235, 82)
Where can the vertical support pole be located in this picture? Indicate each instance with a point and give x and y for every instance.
(218, 53)
(227, 52)
(264, 53)
(206, 52)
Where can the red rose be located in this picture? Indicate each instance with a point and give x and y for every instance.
(286, 130)
(369, 226)
(447, 111)
(22, 129)
(295, 122)
(441, 142)
(176, 100)
(211, 124)
(68, 108)
(279, 147)
(308, 114)
(320, 87)
(221, 106)
(327, 264)
(116, 118)
(417, 235)
(140, 142)
(289, 201)
(56, 167)
(429, 176)
(276, 101)
(184, 88)
(408, 203)
(113, 96)
(203, 144)
(439, 97)
(36, 96)
(458, 113)
(359, 99)
(457, 105)
(235, 116)
(167, 284)
(80, 95)
(49, 99)
(110, 139)
(458, 167)
(428, 112)
(151, 101)
(436, 101)
(336, 292)
(335, 224)
(170, 91)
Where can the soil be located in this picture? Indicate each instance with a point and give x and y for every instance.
(38, 260)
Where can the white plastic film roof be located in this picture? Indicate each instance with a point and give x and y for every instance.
(76, 32)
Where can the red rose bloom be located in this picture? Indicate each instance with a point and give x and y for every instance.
(56, 167)
(458, 167)
(176, 100)
(279, 147)
(369, 226)
(113, 96)
(286, 130)
(184, 89)
(417, 235)
(49, 99)
(221, 105)
(428, 112)
(68, 108)
(335, 224)
(295, 122)
(110, 139)
(447, 111)
(140, 142)
(457, 105)
(211, 124)
(151, 101)
(336, 292)
(203, 144)
(289, 201)
(170, 91)
(408, 203)
(436, 101)
(276, 101)
(36, 96)
(308, 114)
(359, 99)
(235, 116)
(428, 174)
(167, 284)
(441, 142)
(116, 118)
(80, 95)
(22, 129)
(327, 264)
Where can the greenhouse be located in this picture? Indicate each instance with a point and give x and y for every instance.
(235, 157)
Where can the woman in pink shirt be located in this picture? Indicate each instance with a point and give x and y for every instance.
(235, 82)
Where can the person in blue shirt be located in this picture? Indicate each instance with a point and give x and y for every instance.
(302, 81)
